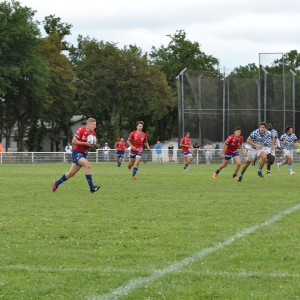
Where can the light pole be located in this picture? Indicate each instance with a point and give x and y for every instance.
(199, 110)
(294, 75)
(265, 94)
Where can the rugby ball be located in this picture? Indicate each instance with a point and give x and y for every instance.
(91, 139)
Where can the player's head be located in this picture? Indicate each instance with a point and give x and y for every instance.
(262, 127)
(187, 134)
(122, 139)
(91, 124)
(269, 125)
(139, 125)
(288, 129)
(237, 131)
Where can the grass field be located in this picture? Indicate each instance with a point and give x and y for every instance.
(168, 235)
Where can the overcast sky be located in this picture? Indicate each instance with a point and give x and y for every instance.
(233, 31)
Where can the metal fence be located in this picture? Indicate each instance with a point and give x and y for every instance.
(199, 157)
(210, 107)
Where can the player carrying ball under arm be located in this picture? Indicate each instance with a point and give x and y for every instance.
(79, 155)
(230, 150)
(136, 141)
(260, 141)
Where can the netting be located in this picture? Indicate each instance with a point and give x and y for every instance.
(211, 106)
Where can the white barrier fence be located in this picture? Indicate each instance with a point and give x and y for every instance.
(199, 157)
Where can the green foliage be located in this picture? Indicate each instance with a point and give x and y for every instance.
(23, 71)
(118, 86)
(174, 235)
(53, 25)
(58, 97)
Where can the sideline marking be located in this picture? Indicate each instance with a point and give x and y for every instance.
(137, 282)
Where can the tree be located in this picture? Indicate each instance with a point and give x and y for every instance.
(118, 86)
(23, 71)
(179, 54)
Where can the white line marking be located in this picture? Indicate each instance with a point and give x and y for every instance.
(137, 282)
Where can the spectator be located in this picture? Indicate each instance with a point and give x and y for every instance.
(170, 152)
(106, 149)
(158, 147)
(208, 155)
(68, 150)
(1, 148)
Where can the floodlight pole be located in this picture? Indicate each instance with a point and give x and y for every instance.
(258, 100)
(294, 75)
(224, 100)
(199, 110)
(228, 101)
(265, 94)
(180, 77)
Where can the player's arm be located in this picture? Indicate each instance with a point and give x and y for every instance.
(147, 145)
(223, 150)
(272, 142)
(243, 149)
(130, 145)
(250, 142)
(75, 141)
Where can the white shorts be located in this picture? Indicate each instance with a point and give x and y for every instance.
(287, 153)
(252, 153)
(268, 150)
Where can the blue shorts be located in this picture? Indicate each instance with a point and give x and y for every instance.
(229, 156)
(76, 155)
(134, 155)
(187, 153)
(120, 154)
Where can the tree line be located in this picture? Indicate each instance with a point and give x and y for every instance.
(44, 81)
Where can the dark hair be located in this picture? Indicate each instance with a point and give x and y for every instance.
(237, 128)
(139, 122)
(263, 124)
(287, 128)
(270, 123)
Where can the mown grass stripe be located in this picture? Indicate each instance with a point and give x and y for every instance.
(137, 282)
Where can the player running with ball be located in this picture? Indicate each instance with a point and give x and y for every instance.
(79, 155)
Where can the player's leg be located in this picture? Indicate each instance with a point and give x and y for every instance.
(270, 161)
(88, 174)
(138, 159)
(221, 166)
(289, 162)
(189, 159)
(184, 161)
(238, 163)
(131, 160)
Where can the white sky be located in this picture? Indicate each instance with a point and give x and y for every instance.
(233, 31)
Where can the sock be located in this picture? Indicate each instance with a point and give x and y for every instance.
(290, 166)
(119, 164)
(259, 169)
(89, 180)
(134, 171)
(217, 172)
(61, 180)
(241, 175)
(234, 175)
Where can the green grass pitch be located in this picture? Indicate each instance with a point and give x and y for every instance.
(169, 234)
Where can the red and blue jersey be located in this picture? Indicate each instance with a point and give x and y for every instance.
(121, 146)
(81, 134)
(185, 141)
(233, 143)
(137, 140)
